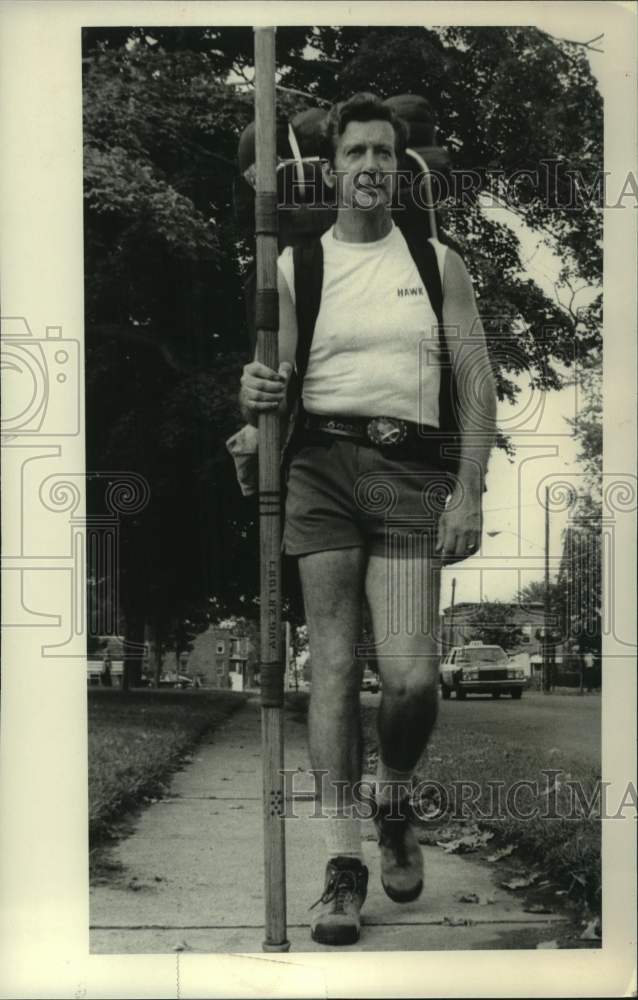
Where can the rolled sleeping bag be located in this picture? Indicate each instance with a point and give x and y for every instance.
(419, 196)
(306, 206)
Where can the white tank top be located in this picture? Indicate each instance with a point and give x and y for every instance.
(375, 349)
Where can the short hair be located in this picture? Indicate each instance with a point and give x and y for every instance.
(363, 107)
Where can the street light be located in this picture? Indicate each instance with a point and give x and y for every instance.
(515, 534)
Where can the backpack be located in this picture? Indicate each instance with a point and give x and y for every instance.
(300, 183)
(442, 446)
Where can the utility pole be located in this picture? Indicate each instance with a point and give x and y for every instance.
(546, 666)
(451, 625)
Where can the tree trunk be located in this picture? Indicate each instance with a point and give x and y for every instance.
(132, 673)
(155, 637)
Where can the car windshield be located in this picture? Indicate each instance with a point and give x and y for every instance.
(482, 654)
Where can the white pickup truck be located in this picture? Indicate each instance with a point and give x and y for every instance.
(480, 669)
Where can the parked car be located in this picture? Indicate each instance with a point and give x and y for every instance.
(369, 681)
(480, 669)
(180, 681)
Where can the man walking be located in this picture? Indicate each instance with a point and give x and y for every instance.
(364, 515)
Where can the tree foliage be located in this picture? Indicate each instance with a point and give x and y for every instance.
(493, 623)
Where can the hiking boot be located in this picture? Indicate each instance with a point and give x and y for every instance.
(401, 855)
(337, 919)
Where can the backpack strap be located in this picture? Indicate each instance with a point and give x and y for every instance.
(425, 258)
(449, 436)
(308, 270)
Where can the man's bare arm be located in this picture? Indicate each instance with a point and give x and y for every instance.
(460, 531)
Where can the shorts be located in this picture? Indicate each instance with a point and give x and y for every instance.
(344, 493)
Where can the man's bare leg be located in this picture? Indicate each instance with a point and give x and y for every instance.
(332, 585)
(403, 596)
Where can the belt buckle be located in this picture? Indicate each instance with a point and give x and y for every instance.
(386, 430)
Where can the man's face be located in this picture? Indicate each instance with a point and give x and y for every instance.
(365, 164)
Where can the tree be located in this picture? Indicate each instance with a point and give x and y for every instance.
(493, 625)
(581, 569)
(533, 593)
(165, 255)
(164, 312)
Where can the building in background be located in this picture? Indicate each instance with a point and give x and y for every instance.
(227, 656)
(569, 664)
(459, 625)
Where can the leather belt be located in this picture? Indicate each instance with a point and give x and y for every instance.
(386, 432)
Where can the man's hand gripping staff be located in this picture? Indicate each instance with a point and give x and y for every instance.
(263, 390)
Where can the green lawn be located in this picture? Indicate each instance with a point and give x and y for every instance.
(137, 739)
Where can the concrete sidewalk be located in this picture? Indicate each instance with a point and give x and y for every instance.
(191, 874)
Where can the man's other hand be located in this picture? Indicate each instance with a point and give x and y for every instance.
(460, 526)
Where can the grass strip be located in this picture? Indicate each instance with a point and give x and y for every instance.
(137, 739)
(554, 834)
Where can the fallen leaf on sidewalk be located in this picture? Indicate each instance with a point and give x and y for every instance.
(502, 852)
(464, 845)
(182, 946)
(547, 944)
(474, 897)
(431, 809)
(520, 883)
(423, 836)
(592, 931)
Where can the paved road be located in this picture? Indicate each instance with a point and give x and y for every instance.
(537, 720)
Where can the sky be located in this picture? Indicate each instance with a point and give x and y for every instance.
(546, 453)
(515, 556)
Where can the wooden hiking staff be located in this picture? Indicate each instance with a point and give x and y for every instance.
(271, 665)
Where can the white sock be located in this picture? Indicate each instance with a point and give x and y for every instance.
(342, 834)
(392, 785)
